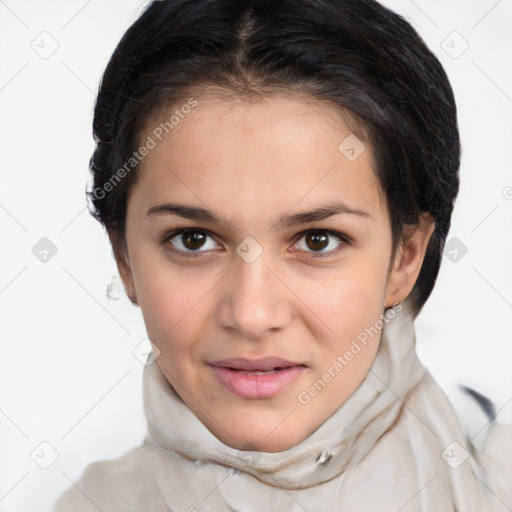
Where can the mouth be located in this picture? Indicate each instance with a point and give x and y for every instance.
(259, 372)
(256, 379)
(264, 364)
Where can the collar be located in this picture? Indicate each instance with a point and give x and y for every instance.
(342, 441)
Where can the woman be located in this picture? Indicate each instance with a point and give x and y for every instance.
(277, 181)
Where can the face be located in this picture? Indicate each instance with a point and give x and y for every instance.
(253, 243)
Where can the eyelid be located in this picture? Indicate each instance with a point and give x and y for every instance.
(344, 239)
(331, 232)
(180, 231)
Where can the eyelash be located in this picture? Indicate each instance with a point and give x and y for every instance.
(344, 239)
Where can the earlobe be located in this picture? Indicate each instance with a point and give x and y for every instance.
(123, 266)
(408, 260)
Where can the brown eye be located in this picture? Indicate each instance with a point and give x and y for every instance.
(322, 243)
(189, 242)
(193, 240)
(317, 241)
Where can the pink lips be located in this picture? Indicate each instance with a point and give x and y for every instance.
(237, 375)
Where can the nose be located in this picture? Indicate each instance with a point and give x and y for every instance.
(257, 302)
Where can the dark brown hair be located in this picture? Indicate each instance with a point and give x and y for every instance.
(355, 54)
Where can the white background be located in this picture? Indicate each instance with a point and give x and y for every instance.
(68, 375)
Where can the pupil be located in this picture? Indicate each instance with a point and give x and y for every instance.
(317, 241)
(193, 240)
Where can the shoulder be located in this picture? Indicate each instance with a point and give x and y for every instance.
(468, 418)
(115, 485)
(494, 450)
(490, 442)
(493, 446)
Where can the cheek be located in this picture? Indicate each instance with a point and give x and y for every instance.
(170, 305)
(351, 310)
(348, 313)
(351, 295)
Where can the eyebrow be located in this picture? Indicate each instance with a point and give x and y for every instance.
(284, 221)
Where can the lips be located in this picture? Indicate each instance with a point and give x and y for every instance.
(258, 378)
(263, 364)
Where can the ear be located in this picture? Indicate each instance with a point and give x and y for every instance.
(408, 259)
(123, 266)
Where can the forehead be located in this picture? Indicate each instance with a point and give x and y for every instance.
(247, 155)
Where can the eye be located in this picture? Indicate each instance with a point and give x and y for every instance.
(189, 241)
(193, 241)
(322, 242)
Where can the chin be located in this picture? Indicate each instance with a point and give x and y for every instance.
(280, 440)
(280, 445)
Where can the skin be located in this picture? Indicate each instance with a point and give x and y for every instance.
(253, 161)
